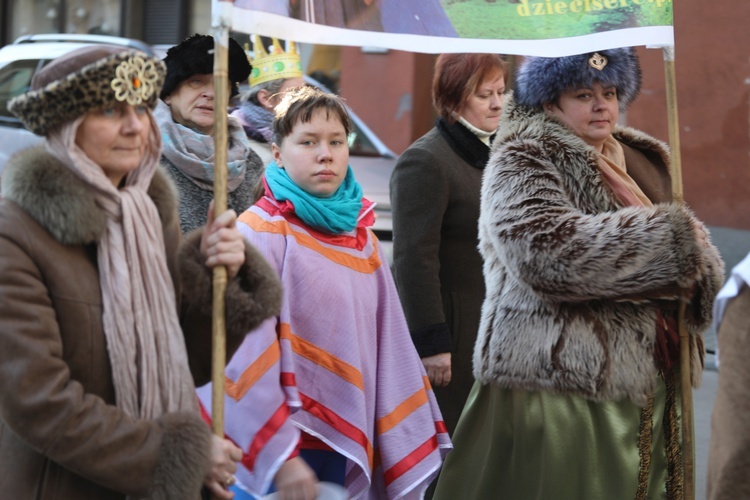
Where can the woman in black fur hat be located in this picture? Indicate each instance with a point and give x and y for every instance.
(185, 116)
(585, 259)
(105, 311)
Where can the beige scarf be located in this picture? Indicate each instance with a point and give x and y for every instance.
(146, 347)
(612, 167)
(611, 164)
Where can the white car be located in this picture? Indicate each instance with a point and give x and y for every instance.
(371, 160)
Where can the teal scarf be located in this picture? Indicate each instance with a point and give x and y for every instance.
(336, 214)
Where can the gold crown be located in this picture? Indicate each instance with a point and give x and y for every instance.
(275, 63)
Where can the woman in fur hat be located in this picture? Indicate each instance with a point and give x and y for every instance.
(585, 260)
(185, 116)
(97, 395)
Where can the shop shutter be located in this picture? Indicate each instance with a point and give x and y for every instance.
(165, 21)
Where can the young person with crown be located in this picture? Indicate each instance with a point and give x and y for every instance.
(274, 72)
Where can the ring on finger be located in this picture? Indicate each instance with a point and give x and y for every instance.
(230, 481)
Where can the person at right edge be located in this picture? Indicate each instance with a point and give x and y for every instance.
(729, 451)
(586, 258)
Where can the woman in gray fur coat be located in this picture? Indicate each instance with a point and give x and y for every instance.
(185, 115)
(105, 311)
(585, 259)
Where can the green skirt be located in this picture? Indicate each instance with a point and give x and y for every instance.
(527, 445)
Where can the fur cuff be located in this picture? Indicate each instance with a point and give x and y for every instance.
(184, 457)
(703, 272)
(251, 297)
(700, 310)
(689, 255)
(702, 268)
(432, 340)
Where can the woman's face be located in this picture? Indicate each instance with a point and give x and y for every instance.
(591, 113)
(484, 106)
(192, 103)
(315, 154)
(115, 138)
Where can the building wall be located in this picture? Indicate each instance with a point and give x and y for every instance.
(26, 17)
(390, 91)
(200, 17)
(712, 66)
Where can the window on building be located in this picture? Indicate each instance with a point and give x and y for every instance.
(101, 17)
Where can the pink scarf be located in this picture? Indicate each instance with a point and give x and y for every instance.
(613, 169)
(146, 347)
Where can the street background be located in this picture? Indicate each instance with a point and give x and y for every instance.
(734, 245)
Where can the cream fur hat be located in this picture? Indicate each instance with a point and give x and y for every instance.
(85, 79)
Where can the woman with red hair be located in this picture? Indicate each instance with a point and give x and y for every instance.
(435, 198)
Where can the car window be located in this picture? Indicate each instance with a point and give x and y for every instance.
(15, 79)
(360, 145)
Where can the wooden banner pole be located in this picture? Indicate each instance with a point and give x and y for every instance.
(686, 387)
(221, 102)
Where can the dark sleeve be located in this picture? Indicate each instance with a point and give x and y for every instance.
(419, 199)
(251, 297)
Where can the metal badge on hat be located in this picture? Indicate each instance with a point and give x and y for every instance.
(597, 61)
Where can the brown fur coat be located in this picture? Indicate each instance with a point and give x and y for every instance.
(573, 280)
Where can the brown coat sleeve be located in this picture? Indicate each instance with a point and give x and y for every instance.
(58, 426)
(251, 297)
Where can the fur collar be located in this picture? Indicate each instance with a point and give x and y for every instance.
(524, 127)
(59, 201)
(463, 141)
(536, 124)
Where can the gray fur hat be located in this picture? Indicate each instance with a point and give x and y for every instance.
(86, 79)
(541, 80)
(195, 56)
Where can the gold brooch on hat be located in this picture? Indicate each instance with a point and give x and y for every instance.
(135, 80)
(274, 64)
(597, 61)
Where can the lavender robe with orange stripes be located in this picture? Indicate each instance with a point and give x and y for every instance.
(345, 356)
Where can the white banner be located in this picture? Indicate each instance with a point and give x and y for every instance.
(549, 28)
